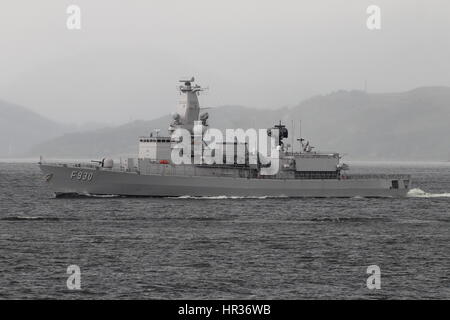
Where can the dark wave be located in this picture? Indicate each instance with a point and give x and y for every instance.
(28, 218)
(347, 219)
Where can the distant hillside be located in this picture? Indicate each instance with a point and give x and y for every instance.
(412, 125)
(114, 141)
(123, 140)
(20, 129)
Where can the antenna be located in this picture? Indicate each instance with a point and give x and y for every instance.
(300, 135)
(300, 127)
(292, 137)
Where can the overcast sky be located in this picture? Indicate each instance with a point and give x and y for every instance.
(126, 60)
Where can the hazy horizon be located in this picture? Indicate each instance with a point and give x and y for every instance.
(125, 62)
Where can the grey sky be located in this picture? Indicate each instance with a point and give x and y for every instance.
(125, 61)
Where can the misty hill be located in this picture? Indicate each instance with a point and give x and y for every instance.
(20, 129)
(123, 140)
(412, 125)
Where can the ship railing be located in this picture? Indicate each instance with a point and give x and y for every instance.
(117, 168)
(375, 176)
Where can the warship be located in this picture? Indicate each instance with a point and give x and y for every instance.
(154, 171)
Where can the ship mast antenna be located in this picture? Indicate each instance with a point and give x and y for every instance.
(292, 137)
(300, 127)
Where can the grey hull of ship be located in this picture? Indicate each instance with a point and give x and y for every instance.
(104, 182)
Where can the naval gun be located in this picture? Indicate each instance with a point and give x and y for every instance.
(105, 163)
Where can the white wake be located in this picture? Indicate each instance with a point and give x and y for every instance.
(221, 197)
(419, 193)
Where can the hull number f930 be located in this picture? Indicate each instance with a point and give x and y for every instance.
(81, 175)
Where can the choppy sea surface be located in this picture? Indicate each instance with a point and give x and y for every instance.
(220, 248)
